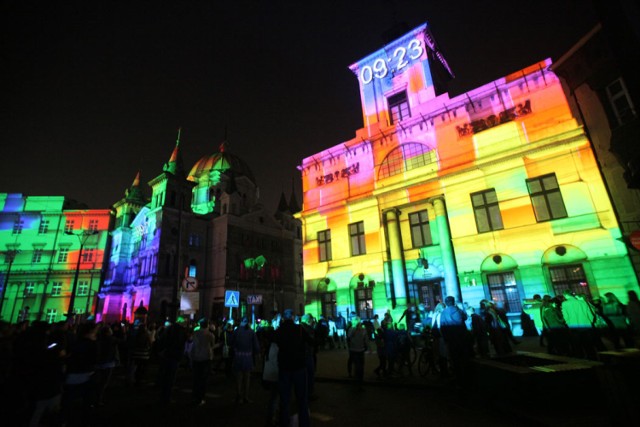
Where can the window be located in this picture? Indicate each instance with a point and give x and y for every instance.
(83, 288)
(88, 255)
(63, 254)
(93, 225)
(29, 289)
(364, 301)
(44, 226)
(356, 234)
(546, 198)
(504, 291)
(18, 225)
(51, 315)
(420, 230)
(329, 304)
(195, 240)
(427, 293)
(37, 255)
(324, 245)
(56, 289)
(620, 101)
(404, 158)
(486, 211)
(569, 277)
(69, 226)
(398, 107)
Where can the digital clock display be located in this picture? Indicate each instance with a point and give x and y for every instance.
(402, 56)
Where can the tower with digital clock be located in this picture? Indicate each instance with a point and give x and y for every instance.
(403, 65)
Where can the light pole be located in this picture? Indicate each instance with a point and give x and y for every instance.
(11, 256)
(83, 236)
(255, 265)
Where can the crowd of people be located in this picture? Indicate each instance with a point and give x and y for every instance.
(54, 374)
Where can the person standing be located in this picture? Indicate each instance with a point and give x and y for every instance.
(358, 345)
(580, 317)
(172, 351)
(454, 332)
(201, 357)
(341, 328)
(292, 341)
(245, 347)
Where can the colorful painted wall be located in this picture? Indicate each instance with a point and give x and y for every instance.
(49, 248)
(492, 194)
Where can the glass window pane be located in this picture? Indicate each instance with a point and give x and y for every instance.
(534, 186)
(482, 221)
(550, 182)
(540, 206)
(496, 218)
(557, 205)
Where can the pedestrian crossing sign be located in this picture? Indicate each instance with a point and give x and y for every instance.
(231, 298)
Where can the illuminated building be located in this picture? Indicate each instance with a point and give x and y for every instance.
(179, 251)
(494, 193)
(50, 246)
(599, 74)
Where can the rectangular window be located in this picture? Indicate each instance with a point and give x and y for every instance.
(51, 315)
(56, 289)
(324, 245)
(93, 225)
(546, 198)
(83, 288)
(44, 226)
(620, 101)
(329, 304)
(63, 254)
(364, 302)
(29, 289)
(356, 235)
(69, 225)
(398, 107)
(486, 211)
(88, 255)
(504, 291)
(37, 255)
(420, 230)
(195, 240)
(18, 225)
(569, 277)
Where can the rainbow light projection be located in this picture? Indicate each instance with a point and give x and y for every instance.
(444, 191)
(40, 242)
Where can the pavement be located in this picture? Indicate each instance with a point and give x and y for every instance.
(339, 401)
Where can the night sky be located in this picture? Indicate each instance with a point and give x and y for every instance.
(93, 91)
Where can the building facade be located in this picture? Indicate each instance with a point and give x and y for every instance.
(493, 194)
(181, 250)
(53, 257)
(599, 75)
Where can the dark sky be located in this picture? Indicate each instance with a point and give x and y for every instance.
(93, 91)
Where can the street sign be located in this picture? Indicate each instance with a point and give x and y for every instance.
(231, 298)
(254, 299)
(190, 284)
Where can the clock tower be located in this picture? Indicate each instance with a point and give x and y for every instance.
(399, 76)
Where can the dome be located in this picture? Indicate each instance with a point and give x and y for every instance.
(221, 161)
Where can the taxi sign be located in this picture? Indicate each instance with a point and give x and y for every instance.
(231, 298)
(254, 299)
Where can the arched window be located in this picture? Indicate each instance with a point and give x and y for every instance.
(405, 157)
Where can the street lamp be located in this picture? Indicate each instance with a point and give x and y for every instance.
(255, 265)
(83, 236)
(10, 256)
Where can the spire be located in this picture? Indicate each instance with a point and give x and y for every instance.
(175, 165)
(293, 201)
(282, 205)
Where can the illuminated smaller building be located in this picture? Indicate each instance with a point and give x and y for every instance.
(53, 254)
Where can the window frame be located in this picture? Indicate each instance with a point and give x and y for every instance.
(357, 240)
(486, 208)
(421, 228)
(505, 288)
(543, 195)
(56, 289)
(398, 107)
(571, 282)
(622, 116)
(324, 245)
(63, 255)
